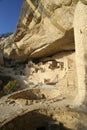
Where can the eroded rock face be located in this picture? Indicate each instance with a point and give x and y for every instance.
(80, 29)
(44, 28)
(84, 1)
(6, 46)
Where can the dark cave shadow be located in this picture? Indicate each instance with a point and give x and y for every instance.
(34, 121)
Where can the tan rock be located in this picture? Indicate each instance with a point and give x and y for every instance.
(80, 28)
(6, 45)
(41, 31)
(84, 1)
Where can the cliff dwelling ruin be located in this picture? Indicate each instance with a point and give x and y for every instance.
(43, 68)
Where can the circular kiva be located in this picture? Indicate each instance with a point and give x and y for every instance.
(84, 1)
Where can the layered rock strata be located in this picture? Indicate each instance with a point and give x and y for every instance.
(41, 31)
(45, 28)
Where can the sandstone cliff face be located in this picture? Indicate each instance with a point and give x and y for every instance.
(6, 45)
(44, 28)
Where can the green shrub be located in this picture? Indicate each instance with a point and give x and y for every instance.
(4, 35)
(11, 87)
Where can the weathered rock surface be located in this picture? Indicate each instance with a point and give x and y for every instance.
(42, 119)
(19, 111)
(84, 1)
(6, 46)
(44, 28)
(80, 29)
